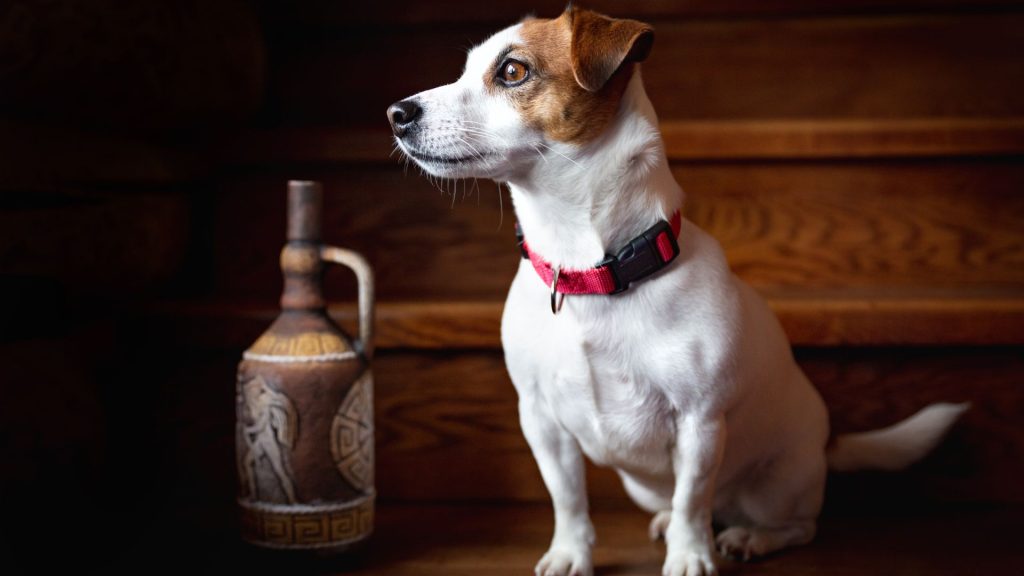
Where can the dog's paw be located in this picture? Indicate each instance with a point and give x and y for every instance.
(658, 525)
(739, 543)
(565, 562)
(689, 564)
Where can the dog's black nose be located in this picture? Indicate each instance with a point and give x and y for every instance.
(403, 115)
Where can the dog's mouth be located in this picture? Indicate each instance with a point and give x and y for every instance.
(448, 160)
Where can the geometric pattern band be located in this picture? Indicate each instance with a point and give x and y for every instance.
(306, 526)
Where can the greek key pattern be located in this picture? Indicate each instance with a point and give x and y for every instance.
(304, 526)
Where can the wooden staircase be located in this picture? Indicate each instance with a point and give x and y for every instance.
(861, 163)
(860, 166)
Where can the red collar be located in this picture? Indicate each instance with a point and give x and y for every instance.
(643, 256)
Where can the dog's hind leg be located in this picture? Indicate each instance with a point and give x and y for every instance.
(653, 496)
(743, 543)
(780, 507)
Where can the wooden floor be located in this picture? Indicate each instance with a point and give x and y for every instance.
(435, 540)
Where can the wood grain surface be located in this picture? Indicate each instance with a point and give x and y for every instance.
(328, 14)
(687, 140)
(955, 225)
(859, 160)
(948, 225)
(508, 540)
(837, 138)
(92, 243)
(448, 424)
(964, 64)
(448, 431)
(811, 319)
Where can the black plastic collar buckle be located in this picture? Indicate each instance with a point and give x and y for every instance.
(641, 257)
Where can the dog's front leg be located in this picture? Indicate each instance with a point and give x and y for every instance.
(561, 465)
(700, 442)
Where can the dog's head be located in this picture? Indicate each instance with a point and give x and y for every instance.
(535, 85)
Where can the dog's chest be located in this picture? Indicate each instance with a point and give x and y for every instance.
(618, 417)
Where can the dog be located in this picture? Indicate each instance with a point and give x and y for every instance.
(626, 335)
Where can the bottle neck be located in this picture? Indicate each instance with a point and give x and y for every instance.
(303, 276)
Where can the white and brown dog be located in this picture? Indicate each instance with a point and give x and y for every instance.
(670, 370)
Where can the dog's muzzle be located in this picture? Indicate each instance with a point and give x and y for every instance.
(403, 116)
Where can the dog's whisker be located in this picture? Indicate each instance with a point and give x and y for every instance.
(501, 207)
(480, 132)
(477, 123)
(560, 154)
(479, 129)
(472, 149)
(539, 153)
(475, 132)
(472, 127)
(434, 182)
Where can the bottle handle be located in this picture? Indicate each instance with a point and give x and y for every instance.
(364, 276)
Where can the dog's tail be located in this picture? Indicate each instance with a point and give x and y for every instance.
(896, 446)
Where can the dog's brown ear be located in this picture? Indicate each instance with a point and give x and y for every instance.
(601, 45)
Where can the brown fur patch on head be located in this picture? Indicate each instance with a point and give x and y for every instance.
(581, 62)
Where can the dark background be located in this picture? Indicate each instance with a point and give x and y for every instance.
(859, 160)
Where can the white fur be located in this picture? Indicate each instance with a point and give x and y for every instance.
(896, 446)
(685, 384)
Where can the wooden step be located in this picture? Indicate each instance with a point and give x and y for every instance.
(685, 140)
(883, 227)
(814, 320)
(36, 157)
(84, 242)
(436, 540)
(160, 68)
(325, 14)
(448, 427)
(963, 64)
(438, 412)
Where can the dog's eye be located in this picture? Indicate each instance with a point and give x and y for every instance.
(513, 73)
